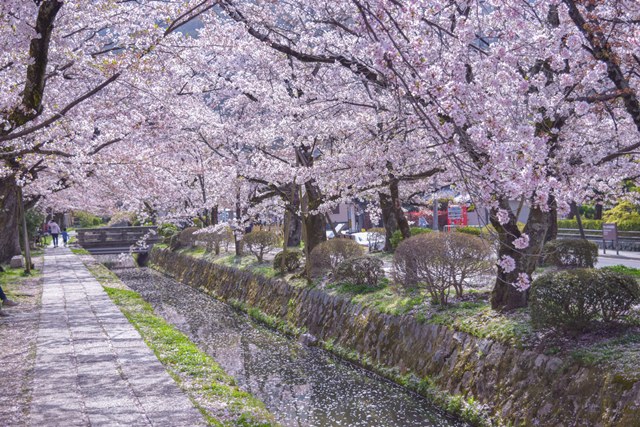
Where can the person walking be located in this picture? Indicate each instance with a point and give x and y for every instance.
(6, 302)
(54, 229)
(65, 236)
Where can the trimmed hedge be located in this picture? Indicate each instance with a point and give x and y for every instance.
(440, 262)
(361, 271)
(260, 242)
(574, 299)
(570, 253)
(396, 237)
(185, 238)
(167, 230)
(596, 224)
(328, 255)
(292, 261)
(474, 231)
(587, 224)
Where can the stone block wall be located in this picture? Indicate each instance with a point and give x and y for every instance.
(520, 386)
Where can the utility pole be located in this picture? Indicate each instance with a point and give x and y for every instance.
(434, 225)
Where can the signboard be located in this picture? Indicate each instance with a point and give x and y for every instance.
(455, 212)
(609, 233)
(422, 222)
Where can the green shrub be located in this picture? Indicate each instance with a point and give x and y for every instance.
(396, 237)
(360, 271)
(292, 260)
(474, 231)
(587, 224)
(570, 253)
(260, 241)
(623, 211)
(574, 299)
(629, 225)
(631, 271)
(87, 219)
(328, 255)
(167, 230)
(34, 219)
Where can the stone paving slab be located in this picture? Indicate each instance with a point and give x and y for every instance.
(92, 366)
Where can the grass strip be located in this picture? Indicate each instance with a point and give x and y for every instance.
(196, 372)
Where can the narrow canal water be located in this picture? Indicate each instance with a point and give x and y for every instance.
(301, 386)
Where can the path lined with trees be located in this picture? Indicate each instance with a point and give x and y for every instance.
(92, 366)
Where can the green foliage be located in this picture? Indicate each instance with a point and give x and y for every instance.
(292, 260)
(34, 219)
(623, 269)
(87, 219)
(610, 351)
(479, 320)
(363, 289)
(328, 255)
(396, 237)
(623, 212)
(587, 211)
(587, 224)
(629, 225)
(167, 230)
(360, 271)
(570, 253)
(625, 215)
(474, 231)
(80, 251)
(192, 368)
(574, 299)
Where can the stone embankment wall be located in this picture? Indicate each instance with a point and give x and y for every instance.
(521, 387)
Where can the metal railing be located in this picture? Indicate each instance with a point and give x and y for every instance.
(117, 239)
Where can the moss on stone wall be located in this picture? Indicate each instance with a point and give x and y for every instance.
(520, 386)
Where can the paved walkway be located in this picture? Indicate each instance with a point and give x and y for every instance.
(92, 367)
(630, 259)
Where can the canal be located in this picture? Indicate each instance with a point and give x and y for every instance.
(301, 386)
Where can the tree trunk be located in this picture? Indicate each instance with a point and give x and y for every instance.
(505, 296)
(214, 215)
(552, 230)
(389, 220)
(295, 223)
(575, 209)
(238, 232)
(393, 217)
(403, 224)
(598, 212)
(314, 223)
(9, 227)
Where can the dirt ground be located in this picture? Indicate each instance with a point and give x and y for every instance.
(18, 334)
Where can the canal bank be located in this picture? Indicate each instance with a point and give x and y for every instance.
(519, 386)
(300, 385)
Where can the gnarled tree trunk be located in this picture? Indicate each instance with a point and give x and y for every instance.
(505, 296)
(9, 225)
(393, 218)
(314, 224)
